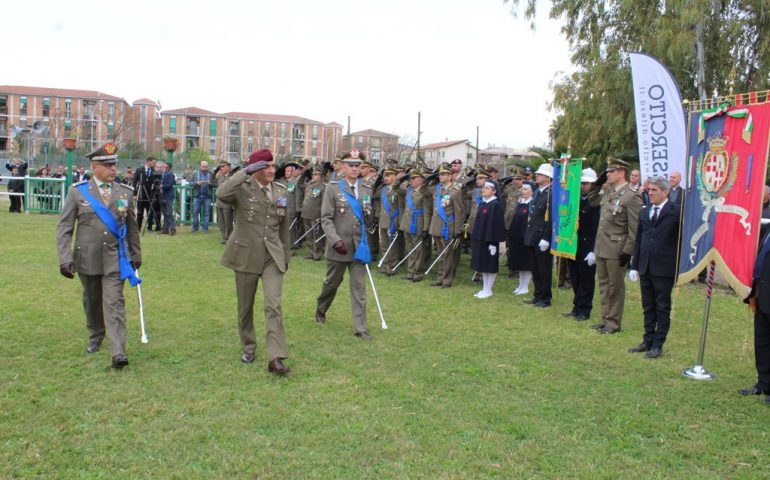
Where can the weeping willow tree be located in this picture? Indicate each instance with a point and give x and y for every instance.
(700, 41)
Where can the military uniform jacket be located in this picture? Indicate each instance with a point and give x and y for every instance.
(262, 229)
(538, 228)
(339, 222)
(454, 203)
(219, 180)
(392, 195)
(618, 221)
(422, 199)
(510, 198)
(314, 195)
(473, 198)
(95, 251)
(294, 196)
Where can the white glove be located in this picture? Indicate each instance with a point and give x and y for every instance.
(543, 245)
(590, 259)
(492, 249)
(633, 275)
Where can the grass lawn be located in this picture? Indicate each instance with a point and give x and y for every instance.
(456, 388)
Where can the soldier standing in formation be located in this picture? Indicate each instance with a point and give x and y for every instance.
(224, 210)
(311, 214)
(346, 212)
(389, 213)
(107, 251)
(414, 223)
(510, 199)
(446, 225)
(619, 209)
(259, 249)
(369, 178)
(537, 237)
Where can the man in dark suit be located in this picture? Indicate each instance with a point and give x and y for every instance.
(654, 263)
(675, 192)
(759, 301)
(537, 237)
(143, 182)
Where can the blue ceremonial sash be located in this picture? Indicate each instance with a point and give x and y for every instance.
(441, 213)
(476, 196)
(393, 215)
(104, 214)
(415, 212)
(363, 254)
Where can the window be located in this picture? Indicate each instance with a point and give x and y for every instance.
(360, 141)
(283, 130)
(235, 128)
(267, 130)
(23, 106)
(46, 107)
(250, 144)
(213, 127)
(315, 132)
(172, 124)
(314, 151)
(111, 114)
(212, 146)
(67, 109)
(90, 108)
(3, 105)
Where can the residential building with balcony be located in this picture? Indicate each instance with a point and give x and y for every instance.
(43, 117)
(378, 146)
(146, 128)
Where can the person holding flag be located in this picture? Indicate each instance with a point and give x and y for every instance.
(100, 212)
(346, 213)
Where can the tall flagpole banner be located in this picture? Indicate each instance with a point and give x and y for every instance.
(724, 183)
(565, 206)
(660, 121)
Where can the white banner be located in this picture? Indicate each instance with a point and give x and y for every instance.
(660, 124)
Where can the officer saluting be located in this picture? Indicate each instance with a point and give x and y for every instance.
(106, 251)
(259, 248)
(346, 212)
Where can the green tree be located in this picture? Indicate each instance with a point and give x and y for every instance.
(700, 41)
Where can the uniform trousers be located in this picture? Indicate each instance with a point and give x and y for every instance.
(335, 271)
(762, 349)
(583, 278)
(315, 250)
(447, 266)
(225, 220)
(656, 305)
(612, 290)
(105, 309)
(415, 264)
(542, 274)
(246, 289)
(392, 258)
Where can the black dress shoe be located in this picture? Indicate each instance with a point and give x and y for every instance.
(247, 358)
(407, 277)
(654, 352)
(277, 367)
(93, 346)
(607, 331)
(542, 304)
(119, 361)
(531, 301)
(569, 314)
(417, 279)
(751, 391)
(320, 317)
(597, 326)
(363, 336)
(642, 347)
(581, 318)
(435, 284)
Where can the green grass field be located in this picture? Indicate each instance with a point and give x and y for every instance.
(456, 388)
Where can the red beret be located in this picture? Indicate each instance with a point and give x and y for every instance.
(263, 155)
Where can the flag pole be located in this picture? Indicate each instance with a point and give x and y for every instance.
(698, 372)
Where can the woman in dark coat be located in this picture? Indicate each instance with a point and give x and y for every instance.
(518, 260)
(488, 231)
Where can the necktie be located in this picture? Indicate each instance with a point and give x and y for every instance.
(105, 192)
(266, 190)
(655, 215)
(353, 187)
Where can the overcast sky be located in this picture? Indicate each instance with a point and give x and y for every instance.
(462, 63)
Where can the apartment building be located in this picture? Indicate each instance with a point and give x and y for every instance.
(42, 117)
(146, 128)
(378, 146)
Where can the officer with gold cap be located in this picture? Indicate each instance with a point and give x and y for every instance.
(346, 213)
(100, 212)
(619, 207)
(259, 249)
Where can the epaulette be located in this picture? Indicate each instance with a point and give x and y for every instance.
(79, 183)
(281, 185)
(335, 182)
(126, 186)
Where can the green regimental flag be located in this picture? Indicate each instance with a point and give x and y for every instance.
(565, 206)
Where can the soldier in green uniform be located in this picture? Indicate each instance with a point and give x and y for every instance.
(311, 215)
(369, 178)
(224, 211)
(346, 212)
(618, 220)
(389, 212)
(510, 198)
(290, 180)
(106, 252)
(415, 221)
(259, 249)
(446, 225)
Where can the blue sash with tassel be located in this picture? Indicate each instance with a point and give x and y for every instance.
(104, 214)
(363, 254)
(392, 214)
(415, 212)
(445, 221)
